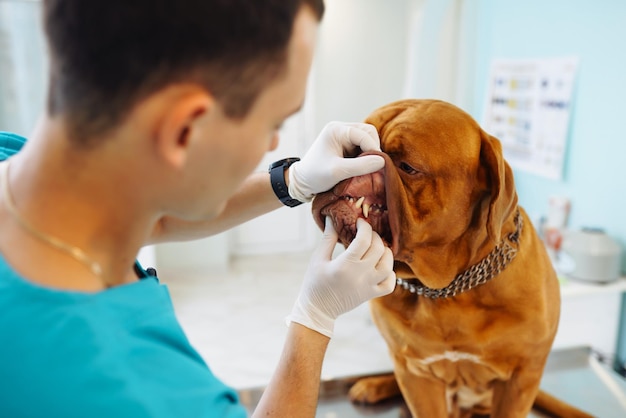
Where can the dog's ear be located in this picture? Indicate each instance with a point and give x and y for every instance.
(500, 183)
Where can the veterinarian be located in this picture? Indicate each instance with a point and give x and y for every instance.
(157, 114)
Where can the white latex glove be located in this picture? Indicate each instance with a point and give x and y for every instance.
(332, 287)
(324, 164)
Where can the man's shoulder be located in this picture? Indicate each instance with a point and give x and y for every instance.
(10, 144)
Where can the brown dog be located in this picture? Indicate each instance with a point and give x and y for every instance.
(472, 320)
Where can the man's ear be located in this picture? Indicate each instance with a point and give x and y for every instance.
(180, 114)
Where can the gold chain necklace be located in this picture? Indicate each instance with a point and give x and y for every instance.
(75, 252)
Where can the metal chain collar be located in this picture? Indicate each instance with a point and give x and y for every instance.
(480, 273)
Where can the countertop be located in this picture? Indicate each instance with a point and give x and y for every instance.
(574, 375)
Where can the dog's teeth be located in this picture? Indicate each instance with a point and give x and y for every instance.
(366, 210)
(359, 202)
(375, 208)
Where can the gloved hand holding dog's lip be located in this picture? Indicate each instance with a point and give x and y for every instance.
(333, 287)
(324, 164)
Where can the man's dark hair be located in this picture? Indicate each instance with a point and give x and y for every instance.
(105, 56)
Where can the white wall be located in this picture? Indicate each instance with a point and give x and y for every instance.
(373, 52)
(361, 58)
(23, 66)
(192, 257)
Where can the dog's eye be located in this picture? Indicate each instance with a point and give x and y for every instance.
(407, 168)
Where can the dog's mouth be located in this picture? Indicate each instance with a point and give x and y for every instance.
(354, 198)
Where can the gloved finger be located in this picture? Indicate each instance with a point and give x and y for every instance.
(372, 141)
(387, 285)
(361, 242)
(359, 135)
(376, 250)
(329, 240)
(352, 167)
(385, 262)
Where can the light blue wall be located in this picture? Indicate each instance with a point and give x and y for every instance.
(594, 30)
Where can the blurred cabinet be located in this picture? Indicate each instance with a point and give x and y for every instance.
(590, 315)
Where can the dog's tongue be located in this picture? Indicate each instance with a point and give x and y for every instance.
(356, 197)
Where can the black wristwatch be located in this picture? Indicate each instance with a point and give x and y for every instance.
(277, 178)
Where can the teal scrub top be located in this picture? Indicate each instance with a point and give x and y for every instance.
(117, 353)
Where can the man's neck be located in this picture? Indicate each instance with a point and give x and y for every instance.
(80, 198)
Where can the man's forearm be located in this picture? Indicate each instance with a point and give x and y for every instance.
(294, 388)
(255, 197)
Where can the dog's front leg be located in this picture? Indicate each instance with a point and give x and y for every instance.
(425, 397)
(514, 398)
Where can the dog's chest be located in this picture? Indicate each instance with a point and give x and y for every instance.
(453, 368)
(466, 375)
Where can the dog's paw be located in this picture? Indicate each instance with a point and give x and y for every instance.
(371, 390)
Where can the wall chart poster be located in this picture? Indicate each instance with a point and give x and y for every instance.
(528, 110)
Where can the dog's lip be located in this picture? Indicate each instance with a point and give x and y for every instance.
(325, 200)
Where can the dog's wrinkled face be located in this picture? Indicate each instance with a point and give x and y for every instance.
(442, 180)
